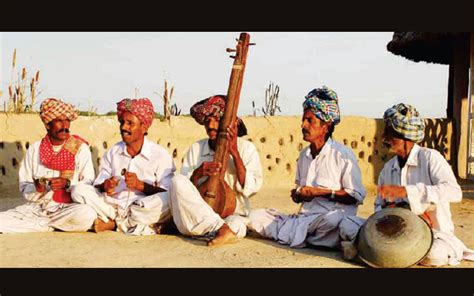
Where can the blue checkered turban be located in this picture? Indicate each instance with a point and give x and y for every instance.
(323, 103)
(405, 120)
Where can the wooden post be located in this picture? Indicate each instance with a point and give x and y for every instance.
(453, 157)
(471, 94)
(450, 106)
(461, 109)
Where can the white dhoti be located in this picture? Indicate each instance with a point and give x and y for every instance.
(447, 249)
(31, 217)
(318, 229)
(193, 216)
(137, 218)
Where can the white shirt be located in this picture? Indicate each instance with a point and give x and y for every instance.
(31, 168)
(334, 168)
(430, 184)
(200, 152)
(153, 165)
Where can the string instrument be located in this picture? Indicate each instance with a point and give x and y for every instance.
(215, 191)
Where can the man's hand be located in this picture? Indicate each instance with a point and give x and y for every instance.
(209, 168)
(391, 193)
(133, 182)
(305, 193)
(295, 196)
(205, 169)
(308, 192)
(109, 185)
(58, 183)
(232, 139)
(40, 187)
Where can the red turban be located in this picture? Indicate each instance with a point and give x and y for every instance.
(213, 106)
(141, 108)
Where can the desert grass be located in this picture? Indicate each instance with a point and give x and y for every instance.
(22, 89)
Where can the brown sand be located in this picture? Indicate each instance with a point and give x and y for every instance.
(112, 249)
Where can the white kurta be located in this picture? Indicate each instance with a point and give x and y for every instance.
(431, 186)
(191, 214)
(41, 212)
(319, 222)
(132, 210)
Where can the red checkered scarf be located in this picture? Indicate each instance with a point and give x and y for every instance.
(141, 108)
(53, 108)
(213, 106)
(63, 161)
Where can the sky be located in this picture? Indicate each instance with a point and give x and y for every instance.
(94, 70)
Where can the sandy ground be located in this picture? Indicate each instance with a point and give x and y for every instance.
(111, 249)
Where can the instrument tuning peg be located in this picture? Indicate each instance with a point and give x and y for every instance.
(230, 50)
(232, 57)
(252, 43)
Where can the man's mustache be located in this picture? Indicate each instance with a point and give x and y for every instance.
(65, 130)
(386, 144)
(211, 129)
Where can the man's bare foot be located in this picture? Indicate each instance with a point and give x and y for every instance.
(100, 225)
(224, 236)
(349, 250)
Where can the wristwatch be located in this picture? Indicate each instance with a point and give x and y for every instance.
(298, 190)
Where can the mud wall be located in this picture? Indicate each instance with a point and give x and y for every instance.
(278, 140)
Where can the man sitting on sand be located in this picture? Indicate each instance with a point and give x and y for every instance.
(51, 168)
(130, 192)
(191, 214)
(328, 179)
(422, 178)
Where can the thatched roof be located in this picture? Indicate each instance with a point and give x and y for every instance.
(424, 46)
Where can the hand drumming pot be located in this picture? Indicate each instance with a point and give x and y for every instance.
(394, 238)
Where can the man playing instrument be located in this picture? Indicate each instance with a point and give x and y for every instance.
(130, 192)
(423, 179)
(328, 180)
(191, 214)
(51, 168)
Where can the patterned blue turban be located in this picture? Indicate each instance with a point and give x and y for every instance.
(323, 103)
(405, 120)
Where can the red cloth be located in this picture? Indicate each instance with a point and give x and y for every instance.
(64, 160)
(427, 218)
(141, 108)
(213, 106)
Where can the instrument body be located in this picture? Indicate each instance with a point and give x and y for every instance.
(394, 238)
(215, 191)
(225, 201)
